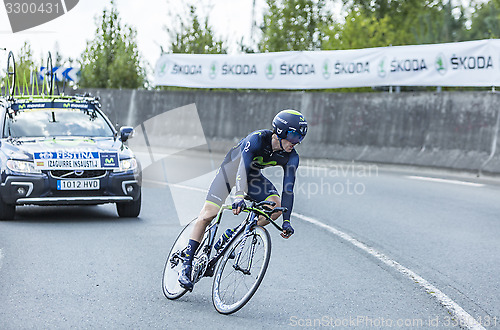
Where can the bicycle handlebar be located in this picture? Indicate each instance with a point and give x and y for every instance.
(265, 203)
(263, 206)
(269, 212)
(263, 209)
(278, 209)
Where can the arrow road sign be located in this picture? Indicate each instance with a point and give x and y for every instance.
(61, 73)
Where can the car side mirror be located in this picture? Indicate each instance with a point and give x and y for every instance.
(126, 133)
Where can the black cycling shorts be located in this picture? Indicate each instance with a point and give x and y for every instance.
(259, 187)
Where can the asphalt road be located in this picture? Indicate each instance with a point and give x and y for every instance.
(83, 267)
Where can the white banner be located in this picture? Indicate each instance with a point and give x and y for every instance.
(471, 63)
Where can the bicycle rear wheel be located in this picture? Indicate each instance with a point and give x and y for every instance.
(171, 287)
(241, 270)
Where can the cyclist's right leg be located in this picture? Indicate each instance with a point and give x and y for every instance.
(217, 193)
(208, 212)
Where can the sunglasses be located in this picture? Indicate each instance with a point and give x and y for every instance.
(294, 137)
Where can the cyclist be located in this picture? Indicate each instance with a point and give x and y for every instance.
(242, 168)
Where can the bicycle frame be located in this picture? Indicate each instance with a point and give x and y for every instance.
(246, 226)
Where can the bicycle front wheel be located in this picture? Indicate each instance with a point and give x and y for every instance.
(171, 287)
(241, 270)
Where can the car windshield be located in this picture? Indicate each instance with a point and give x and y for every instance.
(56, 122)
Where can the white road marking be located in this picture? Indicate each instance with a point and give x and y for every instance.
(1, 257)
(461, 316)
(463, 183)
(175, 185)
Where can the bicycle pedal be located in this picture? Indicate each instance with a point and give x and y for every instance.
(209, 272)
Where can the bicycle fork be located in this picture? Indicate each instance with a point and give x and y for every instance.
(236, 265)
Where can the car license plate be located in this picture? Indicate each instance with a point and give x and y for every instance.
(77, 184)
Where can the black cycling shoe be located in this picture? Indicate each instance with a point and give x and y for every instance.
(185, 277)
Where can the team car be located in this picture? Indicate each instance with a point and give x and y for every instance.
(63, 150)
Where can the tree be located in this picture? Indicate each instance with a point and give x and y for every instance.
(361, 30)
(383, 8)
(57, 56)
(485, 21)
(112, 59)
(194, 37)
(384, 22)
(295, 25)
(441, 22)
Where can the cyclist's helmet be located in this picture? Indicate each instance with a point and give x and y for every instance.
(290, 125)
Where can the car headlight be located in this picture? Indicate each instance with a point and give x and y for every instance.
(22, 166)
(127, 165)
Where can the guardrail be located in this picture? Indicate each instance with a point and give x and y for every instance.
(455, 130)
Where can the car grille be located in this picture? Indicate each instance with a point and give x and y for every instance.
(76, 193)
(72, 174)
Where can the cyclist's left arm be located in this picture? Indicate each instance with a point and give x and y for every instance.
(290, 170)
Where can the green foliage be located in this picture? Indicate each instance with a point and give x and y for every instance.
(398, 10)
(485, 21)
(362, 31)
(384, 22)
(194, 37)
(112, 59)
(294, 25)
(441, 22)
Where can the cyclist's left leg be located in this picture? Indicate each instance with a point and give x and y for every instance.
(260, 188)
(273, 198)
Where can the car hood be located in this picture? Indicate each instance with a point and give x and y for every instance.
(27, 148)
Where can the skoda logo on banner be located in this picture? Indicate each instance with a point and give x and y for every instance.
(270, 70)
(326, 69)
(161, 67)
(382, 68)
(440, 64)
(213, 70)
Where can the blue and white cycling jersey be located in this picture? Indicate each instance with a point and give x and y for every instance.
(242, 168)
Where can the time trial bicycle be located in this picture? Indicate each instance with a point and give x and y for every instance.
(239, 265)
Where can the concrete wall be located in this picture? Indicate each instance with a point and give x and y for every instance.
(452, 130)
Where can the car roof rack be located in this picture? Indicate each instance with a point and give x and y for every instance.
(17, 97)
(16, 86)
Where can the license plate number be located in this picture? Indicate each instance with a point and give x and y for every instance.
(77, 184)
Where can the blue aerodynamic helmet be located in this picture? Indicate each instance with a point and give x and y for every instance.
(290, 125)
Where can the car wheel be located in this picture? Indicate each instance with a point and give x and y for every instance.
(129, 209)
(7, 211)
